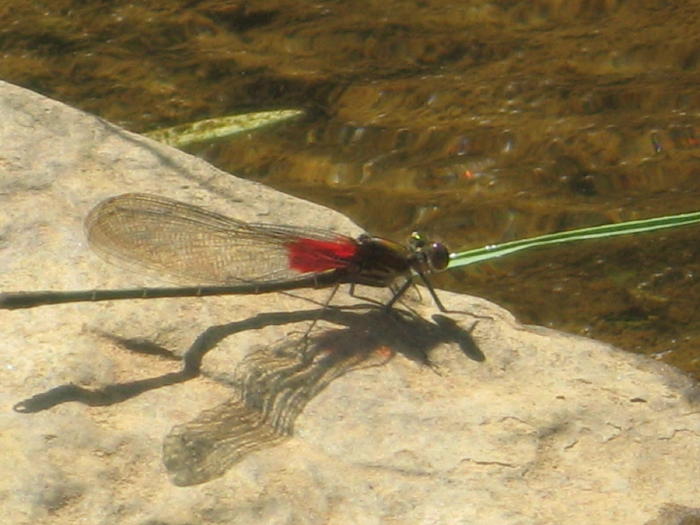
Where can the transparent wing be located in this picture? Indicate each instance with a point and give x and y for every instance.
(186, 241)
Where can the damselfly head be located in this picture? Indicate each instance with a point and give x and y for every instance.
(429, 256)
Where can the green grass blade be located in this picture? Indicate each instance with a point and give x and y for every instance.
(217, 128)
(597, 232)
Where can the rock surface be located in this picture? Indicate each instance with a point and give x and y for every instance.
(453, 418)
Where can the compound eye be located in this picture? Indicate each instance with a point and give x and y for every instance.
(438, 256)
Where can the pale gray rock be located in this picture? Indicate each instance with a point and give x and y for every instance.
(504, 424)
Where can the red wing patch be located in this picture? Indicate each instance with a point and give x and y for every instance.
(314, 255)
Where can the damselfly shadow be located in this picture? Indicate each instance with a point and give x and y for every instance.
(271, 384)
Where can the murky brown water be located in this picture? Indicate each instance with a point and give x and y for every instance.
(478, 122)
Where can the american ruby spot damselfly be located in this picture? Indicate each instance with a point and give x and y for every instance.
(228, 256)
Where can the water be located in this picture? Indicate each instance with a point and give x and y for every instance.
(480, 122)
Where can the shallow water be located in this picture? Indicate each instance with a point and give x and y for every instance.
(476, 122)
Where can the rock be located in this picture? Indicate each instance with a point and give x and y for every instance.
(463, 417)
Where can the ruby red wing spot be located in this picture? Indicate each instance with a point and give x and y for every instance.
(314, 255)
